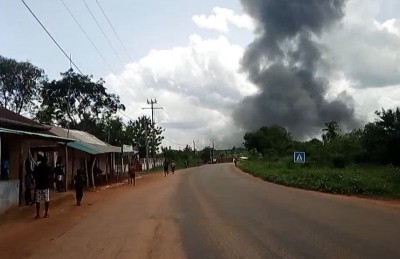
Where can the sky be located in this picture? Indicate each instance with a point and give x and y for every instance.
(189, 56)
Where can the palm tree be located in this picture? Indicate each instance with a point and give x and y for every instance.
(331, 130)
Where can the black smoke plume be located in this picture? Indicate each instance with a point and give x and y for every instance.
(283, 61)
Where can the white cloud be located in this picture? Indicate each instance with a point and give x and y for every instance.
(222, 18)
(198, 85)
(365, 50)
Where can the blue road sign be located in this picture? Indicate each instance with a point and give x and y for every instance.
(299, 157)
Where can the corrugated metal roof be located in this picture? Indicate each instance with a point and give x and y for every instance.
(78, 135)
(94, 149)
(12, 117)
(85, 142)
(130, 149)
(35, 134)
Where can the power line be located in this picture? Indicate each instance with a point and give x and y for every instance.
(102, 31)
(87, 36)
(115, 32)
(123, 114)
(54, 40)
(173, 142)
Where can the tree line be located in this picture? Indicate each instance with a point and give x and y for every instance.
(377, 142)
(75, 101)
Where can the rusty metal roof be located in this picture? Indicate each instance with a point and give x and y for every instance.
(8, 117)
(33, 134)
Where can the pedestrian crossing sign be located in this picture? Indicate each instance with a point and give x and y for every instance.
(299, 157)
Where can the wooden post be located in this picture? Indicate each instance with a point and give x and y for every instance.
(66, 166)
(122, 161)
(87, 172)
(21, 172)
(0, 154)
(107, 166)
(73, 165)
(94, 161)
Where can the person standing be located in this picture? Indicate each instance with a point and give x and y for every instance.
(173, 167)
(166, 165)
(79, 181)
(132, 174)
(42, 174)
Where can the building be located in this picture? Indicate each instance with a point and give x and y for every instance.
(97, 159)
(18, 136)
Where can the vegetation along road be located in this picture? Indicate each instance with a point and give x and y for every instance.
(213, 211)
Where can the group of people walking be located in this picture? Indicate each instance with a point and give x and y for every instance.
(167, 165)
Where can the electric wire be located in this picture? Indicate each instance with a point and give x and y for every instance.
(102, 31)
(115, 32)
(173, 142)
(87, 36)
(54, 40)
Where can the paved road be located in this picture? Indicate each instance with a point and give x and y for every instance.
(216, 211)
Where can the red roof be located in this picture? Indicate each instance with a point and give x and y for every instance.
(12, 118)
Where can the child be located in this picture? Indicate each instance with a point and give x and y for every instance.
(79, 183)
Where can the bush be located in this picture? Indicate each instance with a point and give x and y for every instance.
(339, 161)
(360, 180)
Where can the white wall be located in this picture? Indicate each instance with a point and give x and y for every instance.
(9, 192)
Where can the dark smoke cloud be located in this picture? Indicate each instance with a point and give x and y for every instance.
(283, 60)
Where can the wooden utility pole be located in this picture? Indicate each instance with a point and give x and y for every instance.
(152, 108)
(66, 167)
(147, 148)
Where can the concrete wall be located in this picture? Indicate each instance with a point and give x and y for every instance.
(9, 193)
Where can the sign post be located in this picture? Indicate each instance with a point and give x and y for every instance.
(299, 157)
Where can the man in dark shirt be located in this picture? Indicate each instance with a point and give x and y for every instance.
(166, 166)
(79, 183)
(42, 174)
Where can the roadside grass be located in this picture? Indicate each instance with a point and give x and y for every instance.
(373, 181)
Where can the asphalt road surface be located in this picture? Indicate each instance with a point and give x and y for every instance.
(214, 211)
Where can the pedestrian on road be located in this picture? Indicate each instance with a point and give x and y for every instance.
(79, 181)
(132, 174)
(166, 165)
(173, 167)
(42, 174)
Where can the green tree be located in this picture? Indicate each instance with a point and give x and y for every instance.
(187, 152)
(110, 130)
(332, 131)
(136, 132)
(270, 141)
(205, 154)
(20, 84)
(76, 100)
(382, 138)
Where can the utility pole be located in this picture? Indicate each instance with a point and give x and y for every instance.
(151, 103)
(152, 108)
(194, 148)
(147, 148)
